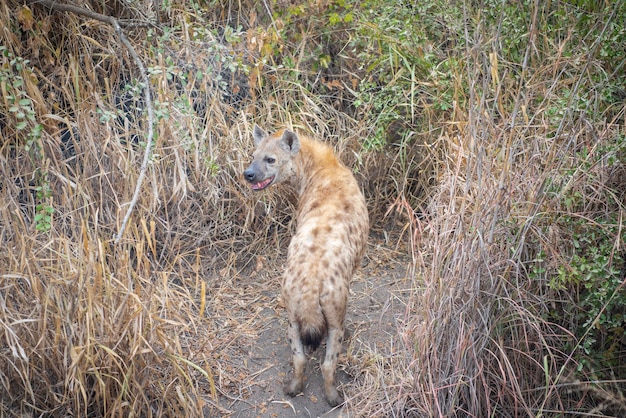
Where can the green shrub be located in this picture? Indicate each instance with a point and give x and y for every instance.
(595, 275)
(594, 264)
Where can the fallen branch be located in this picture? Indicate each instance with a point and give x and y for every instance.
(54, 5)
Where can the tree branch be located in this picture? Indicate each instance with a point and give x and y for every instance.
(54, 5)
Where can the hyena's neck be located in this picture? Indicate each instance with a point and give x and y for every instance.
(311, 162)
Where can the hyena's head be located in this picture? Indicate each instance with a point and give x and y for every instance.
(273, 158)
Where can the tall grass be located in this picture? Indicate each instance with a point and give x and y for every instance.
(139, 328)
(89, 327)
(485, 333)
(496, 141)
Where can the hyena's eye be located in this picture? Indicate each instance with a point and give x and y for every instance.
(270, 160)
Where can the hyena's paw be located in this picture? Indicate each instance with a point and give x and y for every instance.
(294, 387)
(333, 397)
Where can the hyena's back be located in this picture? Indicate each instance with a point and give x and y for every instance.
(324, 252)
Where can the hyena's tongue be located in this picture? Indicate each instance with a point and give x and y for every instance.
(262, 184)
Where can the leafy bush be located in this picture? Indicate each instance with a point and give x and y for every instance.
(595, 266)
(594, 274)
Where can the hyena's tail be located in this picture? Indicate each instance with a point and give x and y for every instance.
(312, 328)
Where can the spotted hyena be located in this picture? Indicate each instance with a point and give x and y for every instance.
(330, 238)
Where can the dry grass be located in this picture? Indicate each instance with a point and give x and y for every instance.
(97, 329)
(150, 326)
(480, 333)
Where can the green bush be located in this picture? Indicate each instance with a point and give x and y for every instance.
(593, 265)
(595, 275)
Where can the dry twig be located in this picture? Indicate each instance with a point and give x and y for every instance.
(144, 77)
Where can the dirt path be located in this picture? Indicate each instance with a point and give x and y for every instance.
(258, 359)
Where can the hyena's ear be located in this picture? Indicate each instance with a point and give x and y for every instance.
(290, 142)
(258, 134)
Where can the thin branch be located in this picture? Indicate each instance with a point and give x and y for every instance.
(53, 5)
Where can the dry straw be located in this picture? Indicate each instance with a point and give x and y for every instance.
(479, 333)
(92, 328)
(147, 326)
(152, 326)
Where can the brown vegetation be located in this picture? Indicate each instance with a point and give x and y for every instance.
(495, 192)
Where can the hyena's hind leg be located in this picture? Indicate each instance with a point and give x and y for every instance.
(296, 384)
(333, 348)
(333, 303)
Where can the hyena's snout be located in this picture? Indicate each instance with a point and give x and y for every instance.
(250, 175)
(256, 177)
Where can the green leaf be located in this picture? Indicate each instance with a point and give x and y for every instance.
(334, 18)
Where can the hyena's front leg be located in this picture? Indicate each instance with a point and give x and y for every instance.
(296, 384)
(333, 348)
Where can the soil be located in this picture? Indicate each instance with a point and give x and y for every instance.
(259, 358)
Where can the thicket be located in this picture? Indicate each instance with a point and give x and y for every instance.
(493, 130)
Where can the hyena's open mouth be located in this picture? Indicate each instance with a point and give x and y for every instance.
(262, 184)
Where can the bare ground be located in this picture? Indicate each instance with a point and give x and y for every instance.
(252, 356)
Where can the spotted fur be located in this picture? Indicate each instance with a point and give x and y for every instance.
(326, 249)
